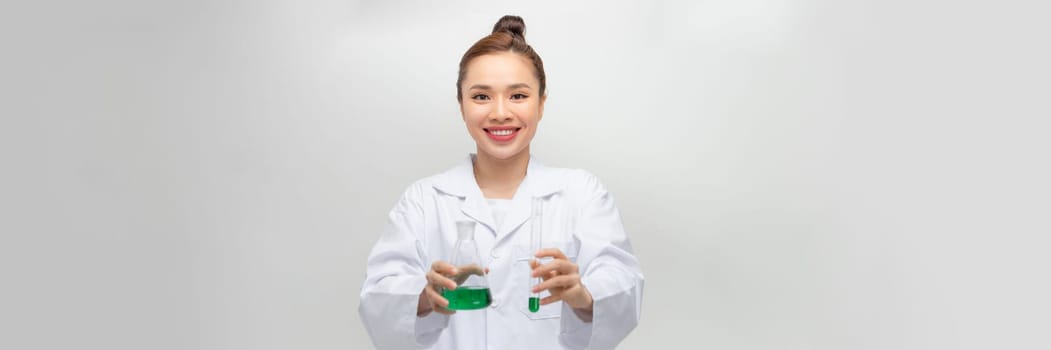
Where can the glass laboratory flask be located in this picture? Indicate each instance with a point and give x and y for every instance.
(472, 288)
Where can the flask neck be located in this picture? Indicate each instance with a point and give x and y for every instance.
(465, 230)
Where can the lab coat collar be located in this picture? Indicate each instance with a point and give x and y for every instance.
(540, 181)
(459, 181)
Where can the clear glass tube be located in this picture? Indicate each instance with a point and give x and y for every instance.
(535, 236)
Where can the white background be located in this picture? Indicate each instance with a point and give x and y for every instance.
(794, 174)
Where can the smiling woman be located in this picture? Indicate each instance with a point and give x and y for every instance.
(591, 280)
(502, 109)
(506, 88)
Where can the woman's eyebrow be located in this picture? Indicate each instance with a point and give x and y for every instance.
(509, 87)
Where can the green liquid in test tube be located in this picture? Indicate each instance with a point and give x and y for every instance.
(534, 238)
(534, 304)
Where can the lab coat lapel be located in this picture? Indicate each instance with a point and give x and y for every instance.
(475, 207)
(459, 182)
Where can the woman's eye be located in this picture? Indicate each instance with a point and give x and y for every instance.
(480, 97)
(519, 96)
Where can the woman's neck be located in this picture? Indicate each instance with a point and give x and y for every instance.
(499, 178)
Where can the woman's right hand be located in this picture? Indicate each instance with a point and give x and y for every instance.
(431, 298)
(443, 276)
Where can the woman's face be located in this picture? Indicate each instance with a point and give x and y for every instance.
(501, 104)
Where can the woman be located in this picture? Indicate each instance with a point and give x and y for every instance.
(591, 281)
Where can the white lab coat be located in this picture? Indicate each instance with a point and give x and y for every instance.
(579, 217)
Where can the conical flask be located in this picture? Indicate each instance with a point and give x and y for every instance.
(472, 289)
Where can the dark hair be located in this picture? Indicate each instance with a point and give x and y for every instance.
(508, 35)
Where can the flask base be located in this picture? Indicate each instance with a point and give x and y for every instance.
(468, 298)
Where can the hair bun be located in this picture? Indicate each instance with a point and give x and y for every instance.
(511, 24)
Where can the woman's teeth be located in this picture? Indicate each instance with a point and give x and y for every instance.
(504, 132)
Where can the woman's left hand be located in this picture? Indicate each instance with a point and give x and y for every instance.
(562, 279)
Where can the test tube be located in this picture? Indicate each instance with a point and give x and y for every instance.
(534, 240)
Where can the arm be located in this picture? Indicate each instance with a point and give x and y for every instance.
(610, 273)
(390, 296)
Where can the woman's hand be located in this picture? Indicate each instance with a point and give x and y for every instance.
(443, 276)
(562, 279)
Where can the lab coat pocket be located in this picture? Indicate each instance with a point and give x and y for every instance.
(523, 282)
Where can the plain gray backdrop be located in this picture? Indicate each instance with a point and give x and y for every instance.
(793, 174)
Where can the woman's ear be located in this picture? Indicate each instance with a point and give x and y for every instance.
(540, 109)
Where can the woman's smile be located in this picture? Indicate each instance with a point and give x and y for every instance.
(502, 133)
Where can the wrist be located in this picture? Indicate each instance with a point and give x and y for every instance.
(587, 308)
(423, 307)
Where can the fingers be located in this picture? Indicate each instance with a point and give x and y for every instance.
(435, 298)
(437, 276)
(557, 282)
(472, 269)
(438, 303)
(437, 280)
(562, 267)
(443, 268)
(444, 310)
(464, 272)
(551, 252)
(550, 299)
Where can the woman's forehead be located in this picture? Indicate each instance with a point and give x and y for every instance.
(500, 69)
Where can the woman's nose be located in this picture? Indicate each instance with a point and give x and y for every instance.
(501, 112)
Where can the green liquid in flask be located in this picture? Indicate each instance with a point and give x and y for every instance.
(534, 304)
(468, 298)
